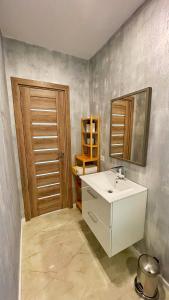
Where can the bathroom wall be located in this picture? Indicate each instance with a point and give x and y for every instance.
(10, 220)
(137, 56)
(33, 62)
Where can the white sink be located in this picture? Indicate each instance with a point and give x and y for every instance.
(106, 185)
(115, 212)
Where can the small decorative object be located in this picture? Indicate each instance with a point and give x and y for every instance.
(93, 126)
(88, 141)
(146, 282)
(87, 127)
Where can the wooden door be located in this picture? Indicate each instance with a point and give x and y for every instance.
(121, 128)
(43, 134)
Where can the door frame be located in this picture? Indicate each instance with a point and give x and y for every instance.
(16, 83)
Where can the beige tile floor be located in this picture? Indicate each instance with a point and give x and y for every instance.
(62, 260)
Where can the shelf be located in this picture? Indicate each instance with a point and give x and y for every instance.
(88, 132)
(85, 158)
(88, 145)
(89, 118)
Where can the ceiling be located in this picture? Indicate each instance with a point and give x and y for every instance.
(75, 27)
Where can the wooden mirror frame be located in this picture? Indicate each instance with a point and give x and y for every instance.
(148, 92)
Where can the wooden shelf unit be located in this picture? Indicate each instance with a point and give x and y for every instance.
(90, 139)
(90, 151)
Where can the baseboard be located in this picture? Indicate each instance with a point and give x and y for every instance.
(20, 261)
(137, 253)
(165, 282)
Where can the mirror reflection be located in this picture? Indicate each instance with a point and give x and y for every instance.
(129, 126)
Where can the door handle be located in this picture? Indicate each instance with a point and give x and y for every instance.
(91, 193)
(92, 217)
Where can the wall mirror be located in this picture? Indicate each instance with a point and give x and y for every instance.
(129, 124)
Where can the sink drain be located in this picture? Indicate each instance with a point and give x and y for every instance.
(110, 191)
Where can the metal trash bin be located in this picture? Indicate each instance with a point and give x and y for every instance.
(146, 281)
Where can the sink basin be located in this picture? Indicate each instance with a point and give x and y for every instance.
(107, 182)
(122, 186)
(106, 185)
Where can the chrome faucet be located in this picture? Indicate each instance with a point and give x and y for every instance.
(120, 172)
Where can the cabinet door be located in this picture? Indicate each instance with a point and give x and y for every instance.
(97, 205)
(92, 210)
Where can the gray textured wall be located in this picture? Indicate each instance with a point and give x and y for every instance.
(10, 219)
(137, 56)
(33, 62)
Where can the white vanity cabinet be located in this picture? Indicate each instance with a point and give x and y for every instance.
(116, 222)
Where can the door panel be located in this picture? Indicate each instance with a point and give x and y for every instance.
(48, 191)
(42, 94)
(42, 103)
(42, 115)
(44, 130)
(43, 142)
(51, 177)
(49, 204)
(45, 121)
(45, 155)
(47, 166)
